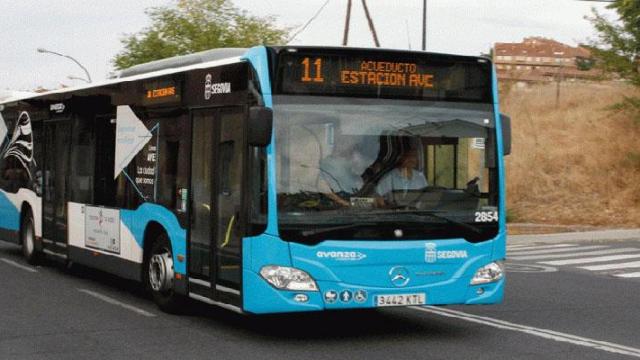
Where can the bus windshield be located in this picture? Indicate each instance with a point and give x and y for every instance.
(370, 169)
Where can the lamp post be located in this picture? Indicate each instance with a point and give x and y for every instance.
(45, 51)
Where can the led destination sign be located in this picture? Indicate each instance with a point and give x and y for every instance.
(385, 75)
(381, 73)
(159, 92)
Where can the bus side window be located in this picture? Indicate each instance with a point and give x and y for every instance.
(107, 190)
(83, 159)
(226, 156)
(173, 162)
(257, 179)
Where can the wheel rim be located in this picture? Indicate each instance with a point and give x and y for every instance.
(28, 242)
(161, 272)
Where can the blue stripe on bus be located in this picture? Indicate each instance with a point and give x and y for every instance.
(9, 215)
(258, 58)
(267, 248)
(138, 220)
(500, 243)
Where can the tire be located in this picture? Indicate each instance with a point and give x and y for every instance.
(28, 240)
(159, 276)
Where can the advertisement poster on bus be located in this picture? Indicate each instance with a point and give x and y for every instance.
(102, 229)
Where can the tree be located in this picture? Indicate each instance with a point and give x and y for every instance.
(618, 44)
(196, 25)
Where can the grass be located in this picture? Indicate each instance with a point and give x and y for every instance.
(576, 163)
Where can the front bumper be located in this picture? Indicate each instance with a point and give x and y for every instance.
(262, 298)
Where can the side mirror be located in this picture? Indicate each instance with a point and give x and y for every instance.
(260, 126)
(506, 133)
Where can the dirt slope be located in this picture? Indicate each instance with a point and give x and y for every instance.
(578, 163)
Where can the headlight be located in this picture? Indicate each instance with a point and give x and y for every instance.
(286, 278)
(488, 273)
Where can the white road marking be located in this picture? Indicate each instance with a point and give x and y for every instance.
(18, 265)
(535, 247)
(629, 275)
(516, 247)
(589, 260)
(529, 268)
(576, 254)
(554, 251)
(539, 332)
(627, 265)
(113, 301)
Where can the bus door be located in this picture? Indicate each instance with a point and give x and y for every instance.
(217, 164)
(57, 139)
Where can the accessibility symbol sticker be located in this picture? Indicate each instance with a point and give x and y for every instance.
(360, 296)
(345, 296)
(330, 296)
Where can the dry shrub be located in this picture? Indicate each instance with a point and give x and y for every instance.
(576, 163)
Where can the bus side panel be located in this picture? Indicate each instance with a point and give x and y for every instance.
(259, 297)
(19, 173)
(9, 219)
(137, 221)
(127, 262)
(13, 204)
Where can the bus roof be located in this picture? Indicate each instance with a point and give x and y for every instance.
(279, 49)
(182, 61)
(162, 67)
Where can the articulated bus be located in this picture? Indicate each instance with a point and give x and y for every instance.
(269, 179)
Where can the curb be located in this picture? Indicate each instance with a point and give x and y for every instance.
(596, 236)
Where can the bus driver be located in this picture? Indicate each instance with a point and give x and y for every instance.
(404, 176)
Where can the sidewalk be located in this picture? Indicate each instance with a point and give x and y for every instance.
(595, 236)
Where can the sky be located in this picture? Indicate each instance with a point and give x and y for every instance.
(90, 30)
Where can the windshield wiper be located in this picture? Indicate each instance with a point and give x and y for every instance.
(348, 226)
(434, 214)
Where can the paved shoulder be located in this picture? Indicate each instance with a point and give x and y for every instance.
(600, 235)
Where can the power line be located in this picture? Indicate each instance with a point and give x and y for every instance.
(370, 21)
(347, 21)
(309, 22)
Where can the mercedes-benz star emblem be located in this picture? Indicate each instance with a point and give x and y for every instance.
(399, 276)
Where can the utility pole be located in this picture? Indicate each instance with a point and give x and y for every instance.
(371, 27)
(424, 25)
(345, 37)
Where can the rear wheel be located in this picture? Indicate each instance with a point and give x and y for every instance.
(159, 276)
(28, 239)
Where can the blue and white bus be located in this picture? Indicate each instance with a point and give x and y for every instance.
(270, 179)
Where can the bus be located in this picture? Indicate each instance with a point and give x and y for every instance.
(269, 179)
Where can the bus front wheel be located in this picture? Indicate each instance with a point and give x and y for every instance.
(159, 276)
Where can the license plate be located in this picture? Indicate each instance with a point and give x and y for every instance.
(401, 299)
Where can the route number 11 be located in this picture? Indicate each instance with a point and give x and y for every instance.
(306, 76)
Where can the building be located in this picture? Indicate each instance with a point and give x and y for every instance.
(542, 59)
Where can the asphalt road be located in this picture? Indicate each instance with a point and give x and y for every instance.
(559, 311)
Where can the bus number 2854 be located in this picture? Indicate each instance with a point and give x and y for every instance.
(486, 216)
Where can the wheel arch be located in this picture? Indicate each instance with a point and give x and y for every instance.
(151, 232)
